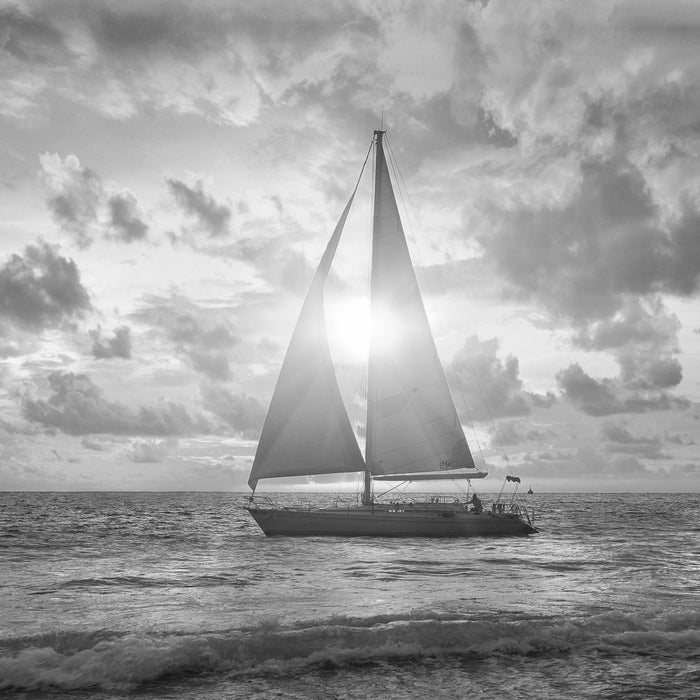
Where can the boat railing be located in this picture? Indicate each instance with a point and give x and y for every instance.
(261, 502)
(514, 508)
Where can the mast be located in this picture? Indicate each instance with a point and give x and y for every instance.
(369, 451)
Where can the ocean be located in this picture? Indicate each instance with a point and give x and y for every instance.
(179, 595)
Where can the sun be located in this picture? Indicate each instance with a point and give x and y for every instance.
(352, 327)
(348, 326)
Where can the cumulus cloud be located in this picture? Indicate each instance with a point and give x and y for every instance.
(212, 217)
(41, 289)
(151, 451)
(93, 445)
(621, 440)
(125, 219)
(117, 346)
(606, 397)
(513, 432)
(77, 406)
(583, 260)
(609, 221)
(76, 195)
(244, 414)
(85, 207)
(491, 388)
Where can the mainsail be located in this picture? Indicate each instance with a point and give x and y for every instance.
(412, 423)
(307, 429)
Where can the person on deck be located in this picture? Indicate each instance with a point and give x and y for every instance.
(476, 505)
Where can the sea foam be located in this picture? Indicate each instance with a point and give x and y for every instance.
(118, 661)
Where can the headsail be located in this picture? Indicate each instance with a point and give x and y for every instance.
(412, 423)
(307, 429)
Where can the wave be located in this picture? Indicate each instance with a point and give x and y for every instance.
(108, 582)
(107, 660)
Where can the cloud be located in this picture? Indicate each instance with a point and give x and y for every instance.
(490, 387)
(151, 451)
(622, 441)
(584, 259)
(212, 217)
(244, 414)
(118, 346)
(638, 322)
(76, 406)
(596, 218)
(41, 289)
(583, 462)
(76, 195)
(605, 397)
(30, 45)
(92, 445)
(85, 207)
(513, 432)
(643, 336)
(220, 61)
(199, 336)
(618, 432)
(125, 219)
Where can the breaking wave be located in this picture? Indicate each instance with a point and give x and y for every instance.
(107, 660)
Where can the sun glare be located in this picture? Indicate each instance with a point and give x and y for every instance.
(348, 324)
(350, 329)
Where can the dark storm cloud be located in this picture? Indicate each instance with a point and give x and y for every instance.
(117, 346)
(490, 387)
(125, 219)
(213, 217)
(199, 336)
(41, 289)
(77, 407)
(244, 414)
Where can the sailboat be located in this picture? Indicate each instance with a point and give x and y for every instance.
(413, 432)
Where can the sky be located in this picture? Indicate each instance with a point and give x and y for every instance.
(170, 173)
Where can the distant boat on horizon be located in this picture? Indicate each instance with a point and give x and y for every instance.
(412, 432)
(530, 491)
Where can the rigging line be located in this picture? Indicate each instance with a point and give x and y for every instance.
(363, 166)
(400, 180)
(488, 410)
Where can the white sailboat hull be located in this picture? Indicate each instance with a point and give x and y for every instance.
(418, 520)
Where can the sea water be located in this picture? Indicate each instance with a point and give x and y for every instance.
(179, 595)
